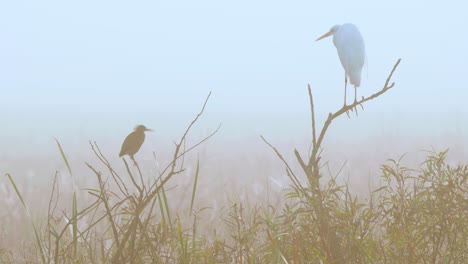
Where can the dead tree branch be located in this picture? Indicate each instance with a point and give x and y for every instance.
(314, 195)
(314, 157)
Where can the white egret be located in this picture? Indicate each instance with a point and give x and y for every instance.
(352, 52)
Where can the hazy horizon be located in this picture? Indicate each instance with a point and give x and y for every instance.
(93, 70)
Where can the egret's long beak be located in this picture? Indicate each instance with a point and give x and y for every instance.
(329, 33)
(149, 129)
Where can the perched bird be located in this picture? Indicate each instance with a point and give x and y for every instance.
(133, 141)
(352, 52)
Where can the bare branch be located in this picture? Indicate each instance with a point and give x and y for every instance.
(188, 150)
(345, 109)
(300, 160)
(176, 156)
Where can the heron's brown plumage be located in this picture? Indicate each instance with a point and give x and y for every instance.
(133, 141)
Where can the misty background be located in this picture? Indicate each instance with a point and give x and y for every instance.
(92, 70)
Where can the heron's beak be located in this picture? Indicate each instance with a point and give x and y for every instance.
(149, 129)
(329, 33)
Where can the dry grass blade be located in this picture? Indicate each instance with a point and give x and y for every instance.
(36, 234)
(195, 185)
(64, 156)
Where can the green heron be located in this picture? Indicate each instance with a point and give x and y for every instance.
(133, 141)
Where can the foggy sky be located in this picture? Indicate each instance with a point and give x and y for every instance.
(95, 69)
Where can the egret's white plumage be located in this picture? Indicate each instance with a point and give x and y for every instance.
(351, 50)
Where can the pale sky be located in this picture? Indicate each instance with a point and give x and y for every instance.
(80, 70)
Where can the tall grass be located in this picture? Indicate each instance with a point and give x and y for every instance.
(418, 215)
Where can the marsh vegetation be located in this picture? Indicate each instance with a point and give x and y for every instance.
(128, 214)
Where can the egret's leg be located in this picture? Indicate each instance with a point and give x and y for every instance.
(345, 83)
(355, 94)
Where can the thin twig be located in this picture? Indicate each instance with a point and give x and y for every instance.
(105, 200)
(131, 175)
(118, 180)
(177, 153)
(293, 175)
